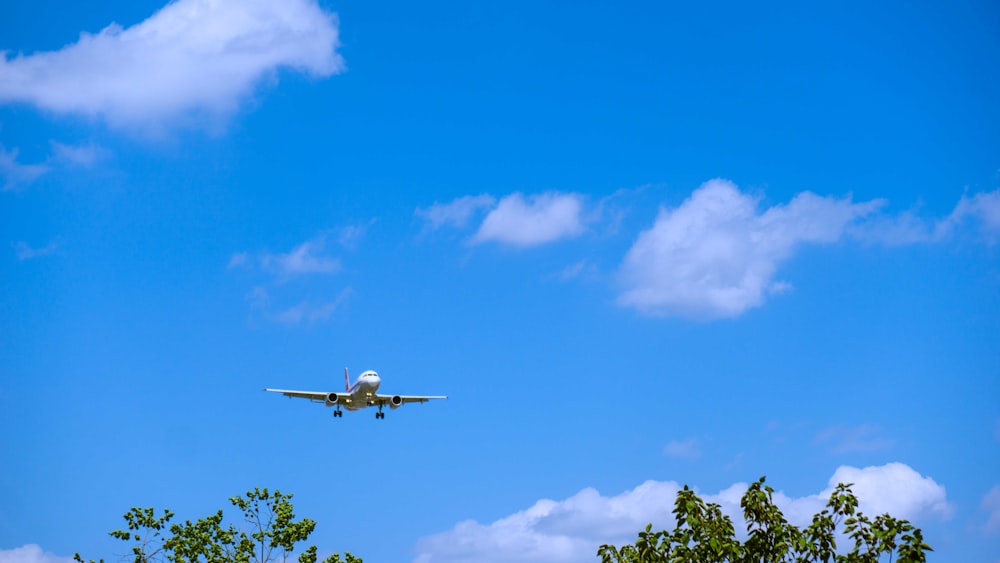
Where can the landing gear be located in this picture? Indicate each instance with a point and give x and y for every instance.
(338, 413)
(379, 414)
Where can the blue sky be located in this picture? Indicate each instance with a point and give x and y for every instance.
(639, 245)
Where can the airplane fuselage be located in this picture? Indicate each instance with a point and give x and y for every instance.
(362, 393)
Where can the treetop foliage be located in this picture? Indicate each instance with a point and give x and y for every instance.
(703, 534)
(269, 535)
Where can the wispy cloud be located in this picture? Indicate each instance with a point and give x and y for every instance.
(26, 252)
(903, 229)
(978, 214)
(716, 255)
(686, 449)
(351, 236)
(306, 258)
(991, 504)
(238, 260)
(843, 439)
(574, 271)
(456, 213)
(306, 312)
(13, 174)
(980, 208)
(191, 58)
(309, 312)
(533, 220)
(571, 530)
(82, 156)
(30, 553)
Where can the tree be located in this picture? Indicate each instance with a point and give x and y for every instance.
(704, 534)
(269, 535)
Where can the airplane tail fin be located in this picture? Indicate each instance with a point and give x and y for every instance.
(347, 381)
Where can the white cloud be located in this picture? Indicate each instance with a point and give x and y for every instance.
(572, 529)
(531, 221)
(25, 252)
(30, 553)
(13, 174)
(687, 449)
(456, 213)
(991, 504)
(716, 255)
(894, 488)
(191, 58)
(516, 220)
(569, 530)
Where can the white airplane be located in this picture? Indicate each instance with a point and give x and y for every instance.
(358, 396)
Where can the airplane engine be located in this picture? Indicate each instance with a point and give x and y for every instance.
(395, 402)
(331, 399)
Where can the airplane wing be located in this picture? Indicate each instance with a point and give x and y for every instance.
(387, 399)
(315, 396)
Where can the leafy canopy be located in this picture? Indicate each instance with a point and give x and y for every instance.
(269, 534)
(704, 534)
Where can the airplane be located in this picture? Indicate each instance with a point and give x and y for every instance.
(358, 396)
